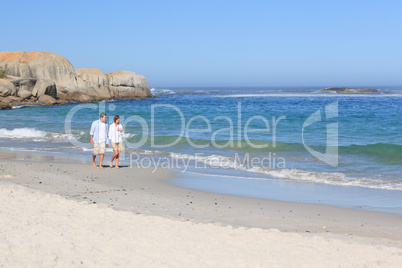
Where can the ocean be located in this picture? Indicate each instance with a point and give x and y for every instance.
(292, 144)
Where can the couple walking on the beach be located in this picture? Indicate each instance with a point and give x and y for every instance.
(101, 134)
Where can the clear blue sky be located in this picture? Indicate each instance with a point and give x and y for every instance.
(218, 43)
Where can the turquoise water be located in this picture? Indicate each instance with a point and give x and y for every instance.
(254, 133)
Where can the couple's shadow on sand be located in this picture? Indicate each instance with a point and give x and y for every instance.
(108, 166)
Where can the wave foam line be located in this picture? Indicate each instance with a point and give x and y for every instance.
(21, 133)
(331, 178)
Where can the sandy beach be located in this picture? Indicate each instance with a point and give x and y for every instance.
(258, 134)
(69, 214)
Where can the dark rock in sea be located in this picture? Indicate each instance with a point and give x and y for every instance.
(346, 90)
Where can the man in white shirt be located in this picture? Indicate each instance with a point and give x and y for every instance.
(99, 136)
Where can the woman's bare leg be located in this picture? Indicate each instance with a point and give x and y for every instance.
(117, 159)
(113, 157)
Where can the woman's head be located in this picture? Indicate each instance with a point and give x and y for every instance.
(116, 119)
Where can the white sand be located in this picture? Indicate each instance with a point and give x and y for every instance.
(46, 230)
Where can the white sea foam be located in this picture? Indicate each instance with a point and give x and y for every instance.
(17, 107)
(22, 133)
(162, 91)
(331, 178)
(33, 133)
(129, 135)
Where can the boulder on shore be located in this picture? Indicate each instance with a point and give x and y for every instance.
(24, 94)
(26, 84)
(11, 99)
(77, 97)
(39, 64)
(126, 84)
(44, 87)
(93, 82)
(4, 106)
(6, 88)
(48, 100)
(44, 73)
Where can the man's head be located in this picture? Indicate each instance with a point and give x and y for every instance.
(116, 119)
(102, 117)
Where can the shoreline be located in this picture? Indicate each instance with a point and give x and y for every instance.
(11, 102)
(275, 189)
(142, 192)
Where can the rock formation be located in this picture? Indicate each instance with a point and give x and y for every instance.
(31, 75)
(6, 88)
(44, 87)
(47, 100)
(123, 82)
(39, 64)
(24, 94)
(94, 83)
(4, 106)
(346, 90)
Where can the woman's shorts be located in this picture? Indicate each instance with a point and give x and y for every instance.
(117, 146)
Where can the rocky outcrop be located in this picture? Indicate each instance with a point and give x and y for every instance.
(93, 82)
(77, 97)
(26, 84)
(37, 87)
(47, 100)
(346, 90)
(121, 84)
(24, 94)
(39, 64)
(6, 88)
(44, 87)
(126, 84)
(34, 74)
(4, 106)
(11, 99)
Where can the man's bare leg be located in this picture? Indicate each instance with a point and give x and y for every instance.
(117, 159)
(93, 160)
(101, 160)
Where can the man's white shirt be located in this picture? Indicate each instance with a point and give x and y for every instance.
(102, 131)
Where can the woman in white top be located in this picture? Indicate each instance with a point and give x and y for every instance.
(115, 136)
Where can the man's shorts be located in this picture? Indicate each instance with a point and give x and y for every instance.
(117, 146)
(99, 148)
